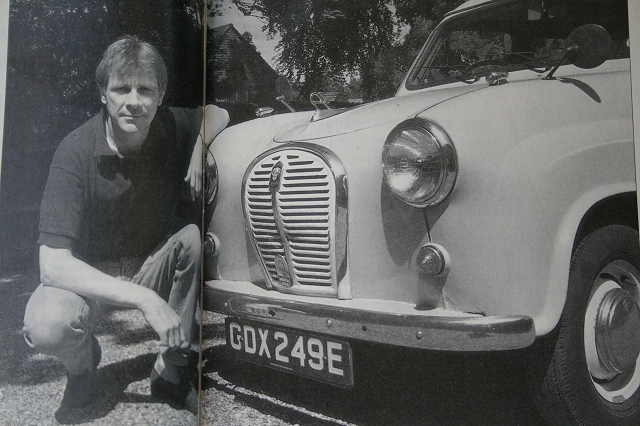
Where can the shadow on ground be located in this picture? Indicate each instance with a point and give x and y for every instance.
(113, 380)
(392, 387)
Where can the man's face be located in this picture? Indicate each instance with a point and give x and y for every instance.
(132, 103)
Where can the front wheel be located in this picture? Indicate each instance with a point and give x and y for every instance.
(591, 375)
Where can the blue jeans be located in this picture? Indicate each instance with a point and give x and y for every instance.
(57, 321)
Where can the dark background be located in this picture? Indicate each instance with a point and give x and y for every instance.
(54, 48)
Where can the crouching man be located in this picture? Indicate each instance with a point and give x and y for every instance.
(110, 232)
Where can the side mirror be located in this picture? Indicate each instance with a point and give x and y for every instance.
(588, 46)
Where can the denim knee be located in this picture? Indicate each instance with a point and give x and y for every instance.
(55, 320)
(191, 242)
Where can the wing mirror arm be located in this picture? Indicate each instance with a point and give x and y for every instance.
(571, 49)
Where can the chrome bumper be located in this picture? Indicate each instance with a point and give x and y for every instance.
(390, 323)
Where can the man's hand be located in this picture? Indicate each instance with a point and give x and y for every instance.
(164, 320)
(194, 174)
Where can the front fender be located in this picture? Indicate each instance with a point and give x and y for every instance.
(525, 184)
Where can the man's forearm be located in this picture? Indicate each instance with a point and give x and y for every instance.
(59, 268)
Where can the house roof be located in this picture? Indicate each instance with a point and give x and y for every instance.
(233, 54)
(223, 38)
(220, 31)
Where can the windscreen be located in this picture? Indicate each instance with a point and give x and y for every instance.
(514, 36)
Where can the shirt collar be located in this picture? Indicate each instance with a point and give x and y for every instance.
(101, 146)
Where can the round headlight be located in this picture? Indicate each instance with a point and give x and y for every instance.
(419, 163)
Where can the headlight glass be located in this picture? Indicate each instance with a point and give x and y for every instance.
(419, 163)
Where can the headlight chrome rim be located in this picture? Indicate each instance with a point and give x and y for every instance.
(210, 181)
(433, 134)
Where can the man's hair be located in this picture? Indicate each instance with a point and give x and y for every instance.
(130, 56)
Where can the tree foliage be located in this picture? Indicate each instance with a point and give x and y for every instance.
(54, 48)
(321, 40)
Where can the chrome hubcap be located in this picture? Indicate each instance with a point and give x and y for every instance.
(612, 332)
(618, 331)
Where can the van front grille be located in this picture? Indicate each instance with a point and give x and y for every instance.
(290, 207)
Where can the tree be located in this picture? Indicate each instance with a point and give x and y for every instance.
(392, 64)
(249, 37)
(320, 37)
(331, 38)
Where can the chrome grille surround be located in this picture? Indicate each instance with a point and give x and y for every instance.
(295, 206)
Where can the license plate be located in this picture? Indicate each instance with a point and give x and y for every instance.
(317, 357)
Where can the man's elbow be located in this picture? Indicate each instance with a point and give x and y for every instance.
(224, 117)
(49, 265)
(217, 115)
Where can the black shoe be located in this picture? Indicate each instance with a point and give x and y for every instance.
(192, 370)
(81, 388)
(181, 395)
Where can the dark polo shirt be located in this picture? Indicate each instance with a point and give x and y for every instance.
(104, 207)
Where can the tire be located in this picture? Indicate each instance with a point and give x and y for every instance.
(588, 371)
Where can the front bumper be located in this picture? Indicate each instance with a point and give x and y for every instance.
(377, 321)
